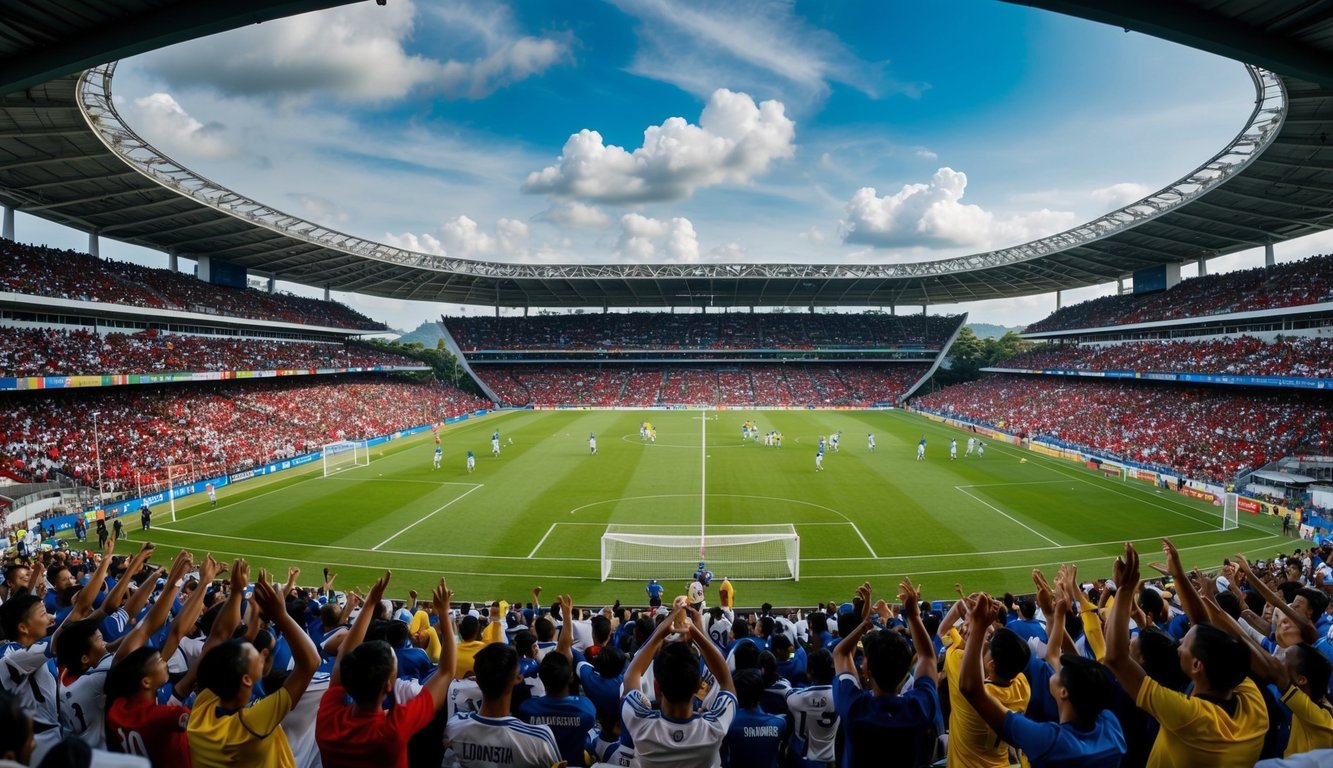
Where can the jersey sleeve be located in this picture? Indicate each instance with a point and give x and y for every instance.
(845, 690)
(413, 716)
(1173, 710)
(1302, 708)
(266, 715)
(1033, 738)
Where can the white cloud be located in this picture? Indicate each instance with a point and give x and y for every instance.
(321, 210)
(641, 237)
(355, 53)
(162, 117)
(576, 215)
(812, 235)
(735, 141)
(461, 237)
(925, 154)
(933, 216)
(1119, 195)
(728, 252)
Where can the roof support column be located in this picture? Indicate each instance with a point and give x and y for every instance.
(272, 284)
(173, 261)
(1059, 299)
(1120, 286)
(327, 297)
(9, 223)
(92, 243)
(1203, 266)
(1269, 259)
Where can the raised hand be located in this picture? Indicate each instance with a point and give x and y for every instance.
(985, 610)
(1125, 572)
(863, 592)
(377, 589)
(1172, 554)
(267, 598)
(240, 575)
(441, 598)
(910, 598)
(208, 570)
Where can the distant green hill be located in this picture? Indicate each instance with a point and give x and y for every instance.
(991, 331)
(427, 333)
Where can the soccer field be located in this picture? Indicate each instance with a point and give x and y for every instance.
(535, 515)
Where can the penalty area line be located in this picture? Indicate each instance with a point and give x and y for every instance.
(438, 510)
(543, 541)
(997, 510)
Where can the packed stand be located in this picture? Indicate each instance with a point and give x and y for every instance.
(1302, 356)
(207, 430)
(845, 385)
(61, 274)
(1308, 281)
(717, 331)
(50, 352)
(1198, 432)
(207, 663)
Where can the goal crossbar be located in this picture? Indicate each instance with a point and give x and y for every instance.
(343, 455)
(642, 552)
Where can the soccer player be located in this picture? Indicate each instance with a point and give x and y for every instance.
(971, 445)
(981, 450)
(819, 460)
(822, 443)
(592, 444)
(921, 449)
(439, 454)
(471, 462)
(212, 494)
(643, 431)
(833, 441)
(870, 442)
(654, 591)
(674, 734)
(953, 450)
(495, 444)
(145, 516)
(490, 736)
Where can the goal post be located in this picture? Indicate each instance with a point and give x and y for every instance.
(343, 455)
(663, 552)
(1230, 511)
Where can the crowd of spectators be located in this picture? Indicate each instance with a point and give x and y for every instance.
(1308, 281)
(758, 384)
(207, 429)
(40, 271)
(1199, 432)
(714, 331)
(1303, 356)
(52, 352)
(193, 661)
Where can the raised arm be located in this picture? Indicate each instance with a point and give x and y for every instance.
(910, 598)
(971, 677)
(157, 615)
(1189, 597)
(1127, 671)
(1055, 629)
(83, 603)
(357, 633)
(645, 655)
(438, 684)
(194, 605)
(844, 652)
(224, 626)
(116, 598)
(713, 658)
(565, 643)
(1263, 665)
(293, 574)
(1308, 632)
(305, 656)
(1087, 612)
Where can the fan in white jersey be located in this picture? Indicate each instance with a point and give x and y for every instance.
(26, 671)
(491, 736)
(814, 720)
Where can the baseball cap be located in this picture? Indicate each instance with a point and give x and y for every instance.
(403, 615)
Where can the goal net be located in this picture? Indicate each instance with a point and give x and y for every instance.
(345, 455)
(1230, 512)
(642, 552)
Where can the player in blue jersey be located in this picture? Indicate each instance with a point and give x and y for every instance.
(654, 591)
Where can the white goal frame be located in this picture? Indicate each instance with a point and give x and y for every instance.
(343, 455)
(673, 552)
(1230, 511)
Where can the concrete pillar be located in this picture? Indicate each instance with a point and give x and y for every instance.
(1269, 260)
(925, 310)
(92, 243)
(497, 310)
(1059, 299)
(173, 261)
(272, 284)
(1203, 266)
(327, 297)
(9, 223)
(525, 311)
(1120, 286)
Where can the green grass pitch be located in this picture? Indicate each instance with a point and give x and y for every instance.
(535, 515)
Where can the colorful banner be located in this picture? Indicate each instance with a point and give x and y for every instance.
(1245, 504)
(1290, 382)
(1195, 493)
(11, 383)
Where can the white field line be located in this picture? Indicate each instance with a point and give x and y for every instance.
(869, 549)
(438, 510)
(999, 511)
(240, 501)
(703, 480)
(543, 541)
(728, 525)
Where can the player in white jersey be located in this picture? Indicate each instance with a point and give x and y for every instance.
(471, 462)
(495, 444)
(439, 454)
(921, 450)
(953, 450)
(971, 446)
(870, 442)
(981, 449)
(592, 444)
(819, 461)
(833, 441)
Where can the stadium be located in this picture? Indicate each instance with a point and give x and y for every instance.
(626, 431)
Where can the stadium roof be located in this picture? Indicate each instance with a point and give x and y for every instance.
(66, 155)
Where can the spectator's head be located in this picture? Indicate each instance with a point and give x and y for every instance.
(1006, 655)
(601, 629)
(1159, 655)
(24, 619)
(329, 614)
(781, 646)
(469, 629)
(397, 634)
(749, 688)
(496, 668)
(16, 742)
(1027, 609)
(819, 667)
(847, 621)
(610, 663)
(1213, 659)
(545, 629)
(230, 670)
(555, 672)
(746, 656)
(1084, 684)
(887, 660)
(766, 625)
(17, 577)
(676, 673)
(1230, 604)
(142, 671)
(368, 672)
(81, 645)
(526, 644)
(1310, 602)
(1308, 668)
(1150, 600)
(768, 667)
(817, 622)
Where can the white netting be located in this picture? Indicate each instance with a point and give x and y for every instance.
(345, 455)
(1230, 512)
(642, 552)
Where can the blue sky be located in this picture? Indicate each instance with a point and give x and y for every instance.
(642, 130)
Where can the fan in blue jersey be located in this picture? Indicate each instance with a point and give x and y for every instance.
(755, 737)
(654, 591)
(569, 717)
(703, 575)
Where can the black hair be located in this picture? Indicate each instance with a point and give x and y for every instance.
(847, 622)
(1289, 590)
(1314, 667)
(220, 669)
(1255, 602)
(1318, 601)
(932, 621)
(69, 752)
(15, 612)
(746, 655)
(1225, 659)
(740, 628)
(766, 625)
(396, 634)
(15, 725)
(888, 657)
(496, 668)
(1150, 600)
(74, 641)
(555, 672)
(526, 644)
(365, 670)
(329, 614)
(676, 670)
(545, 629)
(780, 642)
(469, 628)
(1161, 659)
(610, 663)
(819, 667)
(817, 622)
(1230, 604)
(768, 666)
(749, 688)
(122, 680)
(601, 629)
(1089, 689)
(1009, 653)
(1027, 609)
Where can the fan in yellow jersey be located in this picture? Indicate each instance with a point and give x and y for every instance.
(972, 743)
